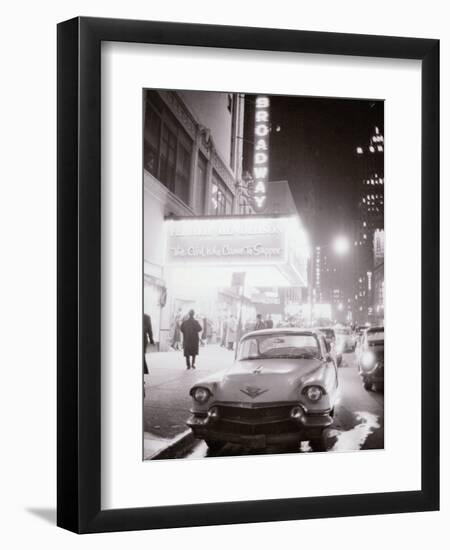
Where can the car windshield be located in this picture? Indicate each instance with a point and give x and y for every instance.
(345, 331)
(279, 346)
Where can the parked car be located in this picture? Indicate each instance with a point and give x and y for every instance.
(345, 339)
(371, 358)
(281, 389)
(330, 337)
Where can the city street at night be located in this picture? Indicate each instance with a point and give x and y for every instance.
(358, 422)
(263, 274)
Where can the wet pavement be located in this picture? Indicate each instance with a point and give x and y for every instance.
(358, 422)
(167, 400)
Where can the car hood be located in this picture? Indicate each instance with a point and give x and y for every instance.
(261, 381)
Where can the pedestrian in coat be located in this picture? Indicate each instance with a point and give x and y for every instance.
(175, 330)
(232, 332)
(190, 329)
(259, 325)
(269, 322)
(148, 337)
(223, 340)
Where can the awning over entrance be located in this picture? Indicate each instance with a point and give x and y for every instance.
(271, 250)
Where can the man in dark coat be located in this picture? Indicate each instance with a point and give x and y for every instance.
(259, 325)
(269, 322)
(190, 329)
(148, 337)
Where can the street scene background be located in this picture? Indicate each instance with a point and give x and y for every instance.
(259, 212)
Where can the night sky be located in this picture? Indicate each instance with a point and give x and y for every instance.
(313, 146)
(314, 150)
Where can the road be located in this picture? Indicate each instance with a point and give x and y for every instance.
(358, 423)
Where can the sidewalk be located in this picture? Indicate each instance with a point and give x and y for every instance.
(167, 400)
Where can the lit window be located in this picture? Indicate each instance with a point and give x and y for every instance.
(379, 147)
(377, 131)
(372, 149)
(364, 236)
(364, 224)
(359, 150)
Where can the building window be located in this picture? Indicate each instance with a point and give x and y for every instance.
(183, 172)
(221, 198)
(167, 148)
(200, 187)
(152, 136)
(167, 158)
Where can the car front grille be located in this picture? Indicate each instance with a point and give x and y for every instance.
(255, 421)
(256, 429)
(256, 415)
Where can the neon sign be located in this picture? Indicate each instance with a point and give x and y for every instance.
(261, 153)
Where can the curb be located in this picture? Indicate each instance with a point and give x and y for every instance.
(178, 444)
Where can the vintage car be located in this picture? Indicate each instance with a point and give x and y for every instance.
(281, 389)
(330, 337)
(371, 358)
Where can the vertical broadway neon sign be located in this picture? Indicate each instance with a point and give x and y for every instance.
(261, 153)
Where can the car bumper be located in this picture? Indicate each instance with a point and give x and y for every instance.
(260, 435)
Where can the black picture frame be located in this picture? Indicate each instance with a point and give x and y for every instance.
(79, 281)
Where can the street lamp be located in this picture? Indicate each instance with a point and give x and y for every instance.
(341, 245)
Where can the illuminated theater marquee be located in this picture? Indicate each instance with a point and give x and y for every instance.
(241, 242)
(261, 153)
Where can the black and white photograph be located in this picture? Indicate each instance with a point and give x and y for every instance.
(263, 274)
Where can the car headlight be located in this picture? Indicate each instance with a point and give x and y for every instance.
(314, 393)
(368, 359)
(201, 395)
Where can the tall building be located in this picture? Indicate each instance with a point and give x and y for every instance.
(369, 191)
(378, 277)
(204, 246)
(192, 161)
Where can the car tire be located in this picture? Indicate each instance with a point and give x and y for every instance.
(367, 385)
(214, 445)
(318, 444)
